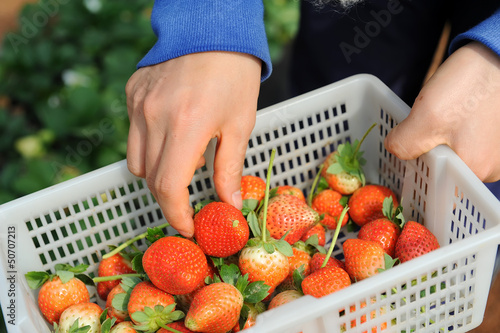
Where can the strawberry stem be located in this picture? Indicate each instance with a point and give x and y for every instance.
(266, 196)
(362, 139)
(131, 241)
(335, 236)
(313, 187)
(115, 277)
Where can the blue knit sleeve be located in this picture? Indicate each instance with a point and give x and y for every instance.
(486, 32)
(190, 26)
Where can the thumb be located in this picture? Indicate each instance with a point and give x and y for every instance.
(414, 136)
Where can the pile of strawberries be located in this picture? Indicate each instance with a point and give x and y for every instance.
(240, 263)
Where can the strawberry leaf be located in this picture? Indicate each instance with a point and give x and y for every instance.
(344, 200)
(65, 276)
(107, 324)
(256, 292)
(249, 205)
(120, 301)
(78, 269)
(103, 315)
(245, 310)
(388, 263)
(36, 279)
(153, 234)
(284, 247)
(230, 274)
(85, 279)
(75, 329)
(334, 169)
(242, 283)
(253, 223)
(298, 276)
(137, 263)
(140, 316)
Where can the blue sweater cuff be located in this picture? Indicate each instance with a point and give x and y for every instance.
(486, 32)
(191, 26)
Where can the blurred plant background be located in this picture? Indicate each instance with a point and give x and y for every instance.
(62, 77)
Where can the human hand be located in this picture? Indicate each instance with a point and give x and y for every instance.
(460, 107)
(175, 109)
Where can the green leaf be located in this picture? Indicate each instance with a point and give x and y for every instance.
(230, 274)
(137, 263)
(120, 301)
(201, 204)
(107, 324)
(128, 283)
(298, 276)
(253, 223)
(344, 200)
(245, 310)
(65, 276)
(103, 316)
(250, 204)
(36, 279)
(78, 269)
(153, 234)
(85, 279)
(284, 248)
(335, 169)
(388, 263)
(256, 292)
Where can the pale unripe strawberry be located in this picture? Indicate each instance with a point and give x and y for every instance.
(284, 297)
(86, 313)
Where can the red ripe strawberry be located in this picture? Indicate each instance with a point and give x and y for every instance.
(284, 297)
(299, 258)
(114, 265)
(87, 314)
(319, 230)
(366, 203)
(184, 301)
(260, 265)
(175, 265)
(327, 203)
(252, 187)
(176, 325)
(55, 296)
(123, 327)
(215, 308)
(325, 281)
(318, 259)
(382, 231)
(363, 258)
(150, 307)
(288, 213)
(112, 311)
(290, 190)
(414, 241)
(220, 229)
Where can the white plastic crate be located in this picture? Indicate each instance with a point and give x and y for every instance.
(443, 291)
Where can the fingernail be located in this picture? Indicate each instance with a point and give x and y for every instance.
(237, 200)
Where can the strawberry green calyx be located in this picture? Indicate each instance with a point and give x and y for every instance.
(152, 319)
(120, 301)
(106, 323)
(64, 271)
(335, 236)
(349, 159)
(394, 214)
(74, 328)
(252, 293)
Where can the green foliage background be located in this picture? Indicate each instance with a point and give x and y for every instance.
(62, 102)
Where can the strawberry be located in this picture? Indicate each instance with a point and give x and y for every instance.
(123, 327)
(343, 168)
(220, 229)
(367, 203)
(114, 265)
(325, 281)
(363, 258)
(300, 258)
(81, 315)
(328, 204)
(260, 265)
(114, 312)
(175, 265)
(176, 325)
(414, 241)
(252, 187)
(59, 291)
(217, 307)
(318, 259)
(150, 307)
(284, 297)
(319, 230)
(290, 190)
(287, 213)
